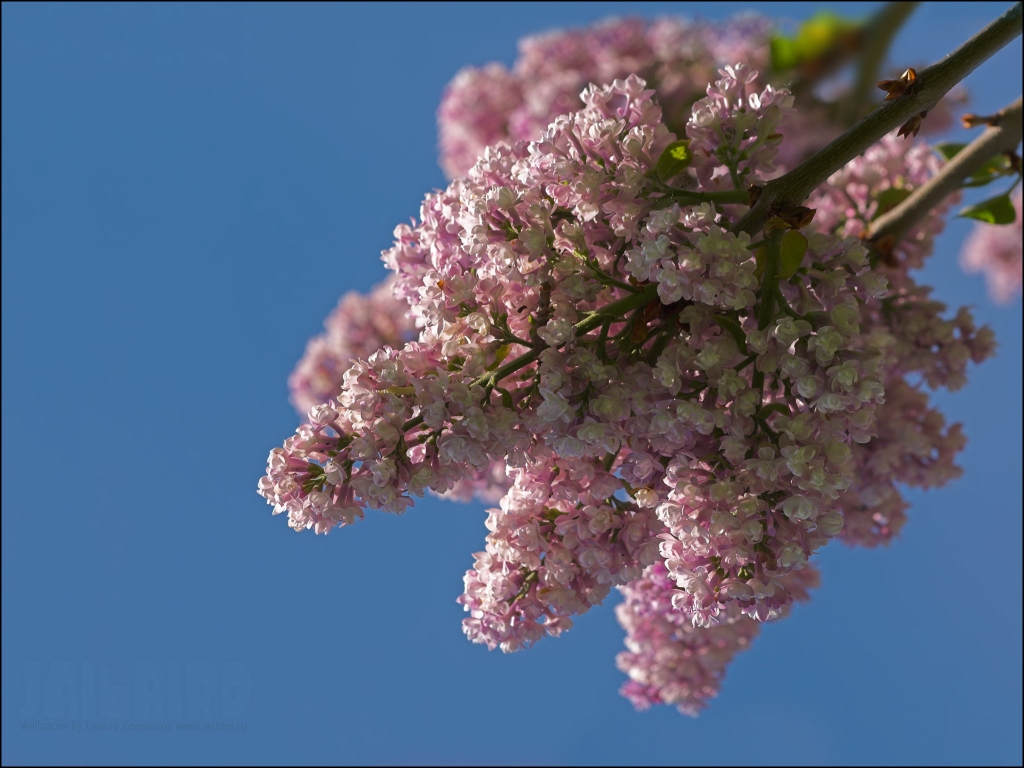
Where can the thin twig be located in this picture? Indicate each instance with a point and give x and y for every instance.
(933, 83)
(878, 36)
(994, 141)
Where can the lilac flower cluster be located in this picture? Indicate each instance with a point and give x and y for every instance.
(556, 546)
(913, 446)
(667, 405)
(483, 106)
(996, 251)
(491, 104)
(668, 660)
(358, 327)
(675, 57)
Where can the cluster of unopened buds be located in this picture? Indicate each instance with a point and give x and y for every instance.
(662, 402)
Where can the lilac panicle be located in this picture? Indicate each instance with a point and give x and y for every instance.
(598, 346)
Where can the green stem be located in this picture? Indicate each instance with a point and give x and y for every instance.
(603, 277)
(766, 310)
(602, 338)
(411, 423)
(618, 308)
(744, 363)
(493, 377)
(609, 460)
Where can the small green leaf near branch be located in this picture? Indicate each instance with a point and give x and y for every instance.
(996, 210)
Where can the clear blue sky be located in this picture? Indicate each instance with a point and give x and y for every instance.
(187, 189)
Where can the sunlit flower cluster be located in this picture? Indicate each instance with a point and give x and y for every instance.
(675, 57)
(668, 660)
(662, 402)
(358, 327)
(923, 349)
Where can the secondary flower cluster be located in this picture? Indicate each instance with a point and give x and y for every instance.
(668, 660)
(484, 106)
(675, 57)
(913, 446)
(556, 546)
(358, 327)
(997, 250)
(665, 403)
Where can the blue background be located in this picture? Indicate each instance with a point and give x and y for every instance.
(187, 189)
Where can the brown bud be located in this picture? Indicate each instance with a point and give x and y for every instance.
(904, 85)
(794, 216)
(971, 120)
(799, 216)
(651, 311)
(913, 125)
(755, 193)
(885, 245)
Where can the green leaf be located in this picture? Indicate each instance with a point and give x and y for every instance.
(888, 199)
(995, 168)
(768, 410)
(784, 53)
(734, 329)
(820, 33)
(499, 355)
(975, 181)
(816, 38)
(761, 257)
(996, 210)
(792, 250)
(948, 149)
(674, 160)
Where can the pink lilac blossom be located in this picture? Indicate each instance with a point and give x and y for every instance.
(676, 57)
(849, 200)
(556, 546)
(996, 251)
(358, 327)
(488, 104)
(914, 446)
(609, 342)
(514, 258)
(667, 659)
(734, 130)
